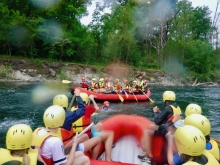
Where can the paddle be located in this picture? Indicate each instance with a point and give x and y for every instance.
(81, 133)
(71, 103)
(152, 101)
(118, 95)
(126, 93)
(134, 95)
(66, 81)
(217, 141)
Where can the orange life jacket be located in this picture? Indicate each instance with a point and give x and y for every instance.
(81, 123)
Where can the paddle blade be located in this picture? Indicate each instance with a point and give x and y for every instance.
(126, 94)
(66, 81)
(135, 98)
(152, 101)
(120, 98)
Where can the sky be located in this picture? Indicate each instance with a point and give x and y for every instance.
(210, 3)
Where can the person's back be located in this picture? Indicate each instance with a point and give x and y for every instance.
(18, 143)
(159, 127)
(52, 149)
(170, 109)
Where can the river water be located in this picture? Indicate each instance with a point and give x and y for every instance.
(25, 103)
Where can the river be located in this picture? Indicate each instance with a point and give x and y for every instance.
(25, 103)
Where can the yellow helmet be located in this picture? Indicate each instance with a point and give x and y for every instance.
(134, 81)
(189, 140)
(61, 100)
(193, 109)
(54, 116)
(200, 122)
(169, 95)
(84, 97)
(101, 79)
(94, 79)
(19, 137)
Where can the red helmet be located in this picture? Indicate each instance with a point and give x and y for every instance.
(106, 79)
(140, 77)
(83, 78)
(105, 103)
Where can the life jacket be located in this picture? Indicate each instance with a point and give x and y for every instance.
(93, 86)
(125, 87)
(215, 150)
(210, 157)
(65, 135)
(135, 88)
(84, 84)
(39, 141)
(117, 87)
(107, 86)
(104, 107)
(176, 110)
(6, 156)
(101, 85)
(140, 83)
(143, 87)
(81, 123)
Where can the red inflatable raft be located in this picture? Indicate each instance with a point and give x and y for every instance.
(128, 131)
(115, 97)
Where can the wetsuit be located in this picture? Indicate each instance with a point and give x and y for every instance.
(162, 117)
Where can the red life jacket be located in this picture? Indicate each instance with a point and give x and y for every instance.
(84, 84)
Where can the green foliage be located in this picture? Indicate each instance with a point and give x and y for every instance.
(140, 34)
(62, 74)
(5, 71)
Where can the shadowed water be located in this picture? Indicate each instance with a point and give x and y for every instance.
(26, 102)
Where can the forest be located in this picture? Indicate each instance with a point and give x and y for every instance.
(169, 35)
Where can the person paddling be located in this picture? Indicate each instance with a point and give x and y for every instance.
(171, 109)
(84, 83)
(72, 125)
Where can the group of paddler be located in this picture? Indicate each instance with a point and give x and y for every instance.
(105, 85)
(58, 143)
(188, 140)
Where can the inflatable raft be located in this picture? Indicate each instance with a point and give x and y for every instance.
(128, 131)
(115, 97)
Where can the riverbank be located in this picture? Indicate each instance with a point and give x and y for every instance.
(36, 70)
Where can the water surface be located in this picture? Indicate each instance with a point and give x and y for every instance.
(26, 102)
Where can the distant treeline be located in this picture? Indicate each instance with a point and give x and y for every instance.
(163, 34)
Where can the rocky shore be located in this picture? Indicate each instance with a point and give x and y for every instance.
(35, 70)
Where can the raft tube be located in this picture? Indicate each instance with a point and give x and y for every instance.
(126, 125)
(115, 97)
